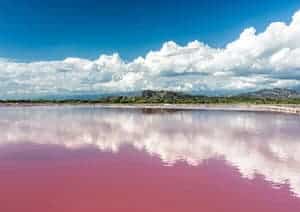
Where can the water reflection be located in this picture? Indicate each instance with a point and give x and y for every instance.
(256, 143)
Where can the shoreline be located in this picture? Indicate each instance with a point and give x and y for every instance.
(290, 109)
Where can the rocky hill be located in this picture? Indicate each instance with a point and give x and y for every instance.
(276, 93)
(163, 94)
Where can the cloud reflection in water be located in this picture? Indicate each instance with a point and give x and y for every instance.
(256, 143)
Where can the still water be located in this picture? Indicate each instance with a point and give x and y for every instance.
(76, 159)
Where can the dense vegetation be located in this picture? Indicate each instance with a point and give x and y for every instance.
(167, 97)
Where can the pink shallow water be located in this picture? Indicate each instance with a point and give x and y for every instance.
(55, 179)
(39, 174)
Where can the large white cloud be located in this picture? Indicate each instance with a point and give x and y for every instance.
(252, 61)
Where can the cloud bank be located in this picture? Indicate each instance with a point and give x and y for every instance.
(252, 61)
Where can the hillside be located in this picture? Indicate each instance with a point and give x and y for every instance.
(266, 96)
(276, 93)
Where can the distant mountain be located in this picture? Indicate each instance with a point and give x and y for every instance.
(275, 93)
(265, 96)
(150, 94)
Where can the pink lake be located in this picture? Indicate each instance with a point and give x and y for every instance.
(78, 159)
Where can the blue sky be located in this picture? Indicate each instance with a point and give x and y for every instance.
(45, 30)
(215, 47)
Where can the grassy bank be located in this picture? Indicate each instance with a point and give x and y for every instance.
(155, 100)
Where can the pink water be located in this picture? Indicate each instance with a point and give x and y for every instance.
(93, 159)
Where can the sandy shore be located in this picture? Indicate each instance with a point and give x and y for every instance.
(293, 109)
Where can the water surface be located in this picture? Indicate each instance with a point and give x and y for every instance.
(94, 159)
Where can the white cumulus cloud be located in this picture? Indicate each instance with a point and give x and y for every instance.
(253, 61)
